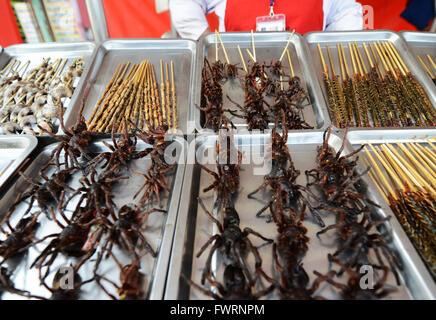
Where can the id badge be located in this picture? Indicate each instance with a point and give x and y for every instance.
(275, 22)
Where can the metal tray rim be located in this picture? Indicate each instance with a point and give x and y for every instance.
(412, 64)
(400, 239)
(31, 142)
(307, 69)
(161, 264)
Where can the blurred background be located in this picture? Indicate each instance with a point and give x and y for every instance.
(74, 20)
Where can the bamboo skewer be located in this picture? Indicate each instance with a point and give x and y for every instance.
(242, 59)
(290, 64)
(431, 61)
(106, 90)
(11, 63)
(224, 48)
(251, 56)
(174, 97)
(168, 100)
(162, 91)
(425, 67)
(287, 45)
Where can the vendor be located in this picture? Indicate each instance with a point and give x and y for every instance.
(189, 16)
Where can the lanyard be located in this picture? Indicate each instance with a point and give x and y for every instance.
(271, 8)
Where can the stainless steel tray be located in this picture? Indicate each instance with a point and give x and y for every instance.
(194, 228)
(13, 152)
(112, 52)
(35, 52)
(424, 285)
(332, 38)
(421, 43)
(269, 45)
(159, 231)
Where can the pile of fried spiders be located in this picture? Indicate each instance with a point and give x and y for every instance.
(75, 191)
(269, 91)
(332, 189)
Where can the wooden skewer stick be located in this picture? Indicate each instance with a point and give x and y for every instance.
(387, 167)
(365, 48)
(376, 61)
(402, 172)
(387, 184)
(353, 62)
(287, 45)
(410, 168)
(168, 100)
(362, 62)
(23, 67)
(162, 92)
(394, 58)
(173, 93)
(58, 71)
(434, 147)
(424, 161)
(398, 56)
(356, 55)
(344, 58)
(324, 67)
(425, 67)
(242, 59)
(430, 154)
(381, 57)
(108, 87)
(156, 92)
(12, 62)
(290, 63)
(251, 56)
(331, 60)
(377, 183)
(431, 61)
(224, 48)
(341, 62)
(110, 99)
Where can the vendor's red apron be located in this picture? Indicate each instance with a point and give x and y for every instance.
(303, 16)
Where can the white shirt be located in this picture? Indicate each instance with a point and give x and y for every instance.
(189, 16)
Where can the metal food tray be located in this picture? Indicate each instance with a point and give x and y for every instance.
(112, 52)
(269, 46)
(13, 152)
(194, 228)
(159, 231)
(421, 43)
(360, 37)
(35, 52)
(356, 139)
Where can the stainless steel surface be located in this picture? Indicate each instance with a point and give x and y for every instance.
(158, 231)
(112, 52)
(13, 151)
(38, 51)
(269, 46)
(193, 227)
(421, 43)
(97, 19)
(376, 136)
(360, 37)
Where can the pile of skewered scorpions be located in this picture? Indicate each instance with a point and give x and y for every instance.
(336, 182)
(260, 82)
(90, 222)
